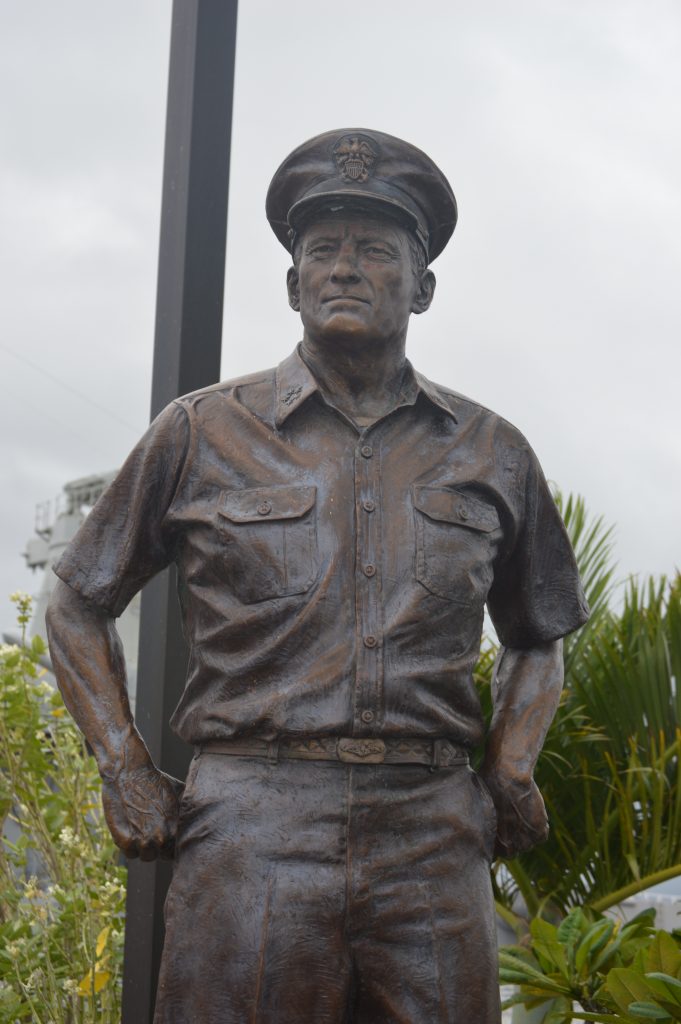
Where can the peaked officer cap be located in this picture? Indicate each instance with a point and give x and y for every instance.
(367, 168)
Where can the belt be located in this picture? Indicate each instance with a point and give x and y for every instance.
(350, 750)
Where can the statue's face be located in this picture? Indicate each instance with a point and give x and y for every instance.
(354, 280)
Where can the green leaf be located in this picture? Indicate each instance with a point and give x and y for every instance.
(626, 986)
(648, 1011)
(592, 942)
(601, 1018)
(561, 1013)
(664, 955)
(608, 954)
(38, 645)
(641, 923)
(571, 927)
(665, 987)
(546, 945)
(514, 970)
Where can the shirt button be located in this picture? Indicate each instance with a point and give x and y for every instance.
(367, 451)
(370, 640)
(264, 508)
(369, 570)
(462, 512)
(368, 505)
(367, 716)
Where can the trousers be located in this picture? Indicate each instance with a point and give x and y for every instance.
(330, 893)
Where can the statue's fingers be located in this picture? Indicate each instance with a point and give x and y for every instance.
(130, 849)
(164, 837)
(124, 838)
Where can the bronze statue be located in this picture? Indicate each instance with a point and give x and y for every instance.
(339, 525)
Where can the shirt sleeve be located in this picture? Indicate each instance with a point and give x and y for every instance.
(126, 539)
(537, 595)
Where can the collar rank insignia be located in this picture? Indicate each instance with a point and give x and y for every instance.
(354, 157)
(292, 394)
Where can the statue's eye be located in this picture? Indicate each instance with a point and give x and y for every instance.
(378, 251)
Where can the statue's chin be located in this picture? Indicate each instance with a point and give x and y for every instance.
(346, 329)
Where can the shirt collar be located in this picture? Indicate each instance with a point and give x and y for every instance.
(433, 393)
(294, 383)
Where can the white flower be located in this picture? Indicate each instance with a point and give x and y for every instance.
(70, 985)
(34, 979)
(113, 888)
(32, 889)
(67, 837)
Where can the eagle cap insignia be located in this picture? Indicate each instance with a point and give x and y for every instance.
(354, 156)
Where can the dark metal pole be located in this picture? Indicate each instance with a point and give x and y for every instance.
(186, 356)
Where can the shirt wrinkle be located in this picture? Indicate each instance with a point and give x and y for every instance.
(333, 582)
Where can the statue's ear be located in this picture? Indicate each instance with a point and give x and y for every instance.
(293, 287)
(424, 295)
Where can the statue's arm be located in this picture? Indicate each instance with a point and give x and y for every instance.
(526, 690)
(140, 802)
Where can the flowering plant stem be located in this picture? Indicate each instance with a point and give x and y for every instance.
(62, 887)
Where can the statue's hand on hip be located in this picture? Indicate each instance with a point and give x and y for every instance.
(522, 821)
(141, 805)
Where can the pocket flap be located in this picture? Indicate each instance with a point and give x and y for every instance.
(451, 506)
(260, 504)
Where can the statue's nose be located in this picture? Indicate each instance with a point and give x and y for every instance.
(345, 267)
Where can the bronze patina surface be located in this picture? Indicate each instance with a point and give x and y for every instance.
(339, 525)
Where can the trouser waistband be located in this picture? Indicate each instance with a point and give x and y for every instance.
(439, 753)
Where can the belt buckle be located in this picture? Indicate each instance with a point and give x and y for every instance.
(361, 751)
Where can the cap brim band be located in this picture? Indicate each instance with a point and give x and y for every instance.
(306, 206)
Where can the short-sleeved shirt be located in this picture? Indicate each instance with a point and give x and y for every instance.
(333, 579)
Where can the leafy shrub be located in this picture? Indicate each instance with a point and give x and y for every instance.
(610, 769)
(626, 973)
(62, 889)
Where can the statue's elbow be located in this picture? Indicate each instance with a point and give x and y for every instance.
(65, 609)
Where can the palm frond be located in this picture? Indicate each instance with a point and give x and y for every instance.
(593, 542)
(610, 770)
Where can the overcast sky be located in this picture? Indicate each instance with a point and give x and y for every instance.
(559, 298)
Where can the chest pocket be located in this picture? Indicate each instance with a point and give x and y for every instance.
(270, 543)
(457, 536)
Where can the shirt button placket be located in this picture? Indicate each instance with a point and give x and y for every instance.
(368, 686)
